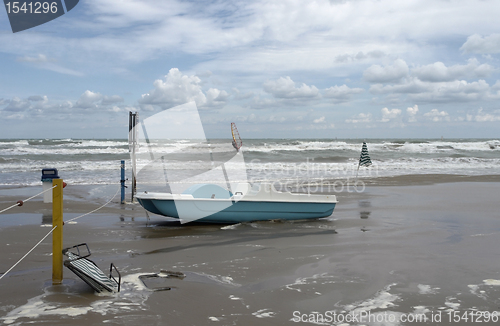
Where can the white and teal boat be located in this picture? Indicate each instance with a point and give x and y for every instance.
(166, 161)
(211, 203)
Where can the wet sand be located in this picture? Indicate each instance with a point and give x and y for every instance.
(408, 246)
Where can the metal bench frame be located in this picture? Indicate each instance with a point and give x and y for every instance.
(89, 272)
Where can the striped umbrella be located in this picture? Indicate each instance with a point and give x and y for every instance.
(364, 159)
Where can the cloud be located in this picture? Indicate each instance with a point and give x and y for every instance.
(42, 62)
(360, 118)
(453, 91)
(37, 59)
(17, 105)
(388, 115)
(344, 58)
(88, 100)
(342, 93)
(319, 120)
(33, 106)
(410, 86)
(107, 100)
(177, 89)
(237, 95)
(216, 97)
(16, 116)
(481, 116)
(285, 88)
(412, 112)
(117, 109)
(40, 107)
(388, 74)
(436, 116)
(482, 45)
(438, 72)
(95, 100)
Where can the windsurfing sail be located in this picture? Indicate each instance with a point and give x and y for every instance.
(237, 142)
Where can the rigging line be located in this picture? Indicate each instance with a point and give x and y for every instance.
(28, 252)
(95, 210)
(20, 204)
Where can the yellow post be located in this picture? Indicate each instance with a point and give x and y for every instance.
(57, 234)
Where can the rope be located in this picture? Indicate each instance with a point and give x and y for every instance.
(52, 230)
(29, 252)
(95, 210)
(21, 202)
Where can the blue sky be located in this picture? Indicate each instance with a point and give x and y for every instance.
(284, 69)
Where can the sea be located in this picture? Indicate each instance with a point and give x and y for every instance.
(97, 161)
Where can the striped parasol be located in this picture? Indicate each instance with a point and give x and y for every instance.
(364, 158)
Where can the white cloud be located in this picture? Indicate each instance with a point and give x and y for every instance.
(438, 72)
(360, 118)
(16, 116)
(388, 74)
(483, 45)
(436, 116)
(111, 99)
(17, 104)
(344, 58)
(453, 91)
(412, 112)
(237, 95)
(481, 116)
(231, 32)
(319, 120)
(388, 115)
(216, 97)
(341, 93)
(37, 59)
(175, 89)
(41, 61)
(34, 106)
(410, 86)
(285, 88)
(88, 100)
(95, 100)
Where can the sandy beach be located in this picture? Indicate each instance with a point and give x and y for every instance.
(404, 247)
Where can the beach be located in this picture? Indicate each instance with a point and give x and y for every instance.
(403, 248)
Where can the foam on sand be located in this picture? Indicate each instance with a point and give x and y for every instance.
(132, 297)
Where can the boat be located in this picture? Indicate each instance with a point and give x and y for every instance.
(239, 202)
(210, 203)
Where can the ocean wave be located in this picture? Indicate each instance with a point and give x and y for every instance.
(98, 161)
(380, 146)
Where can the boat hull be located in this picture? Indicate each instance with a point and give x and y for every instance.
(226, 211)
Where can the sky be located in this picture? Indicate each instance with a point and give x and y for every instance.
(278, 69)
